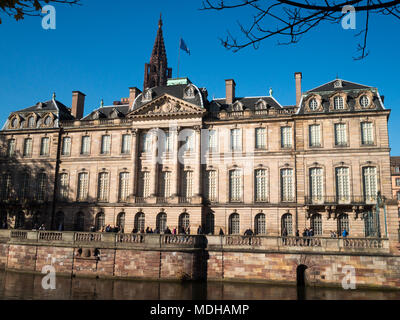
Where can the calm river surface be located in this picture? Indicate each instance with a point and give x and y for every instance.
(16, 286)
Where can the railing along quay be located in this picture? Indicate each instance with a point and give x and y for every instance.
(211, 242)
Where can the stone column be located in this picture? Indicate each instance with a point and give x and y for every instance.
(176, 173)
(154, 165)
(135, 161)
(197, 166)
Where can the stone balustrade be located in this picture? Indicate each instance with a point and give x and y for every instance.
(210, 242)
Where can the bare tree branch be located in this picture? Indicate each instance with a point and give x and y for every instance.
(291, 19)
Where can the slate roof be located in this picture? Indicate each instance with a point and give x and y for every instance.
(106, 112)
(346, 85)
(248, 102)
(55, 106)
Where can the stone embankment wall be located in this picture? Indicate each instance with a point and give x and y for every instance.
(229, 258)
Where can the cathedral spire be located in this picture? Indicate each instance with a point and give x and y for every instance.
(157, 72)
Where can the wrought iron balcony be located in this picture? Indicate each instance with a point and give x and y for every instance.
(340, 200)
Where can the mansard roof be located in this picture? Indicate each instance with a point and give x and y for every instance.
(345, 85)
(177, 91)
(247, 102)
(108, 112)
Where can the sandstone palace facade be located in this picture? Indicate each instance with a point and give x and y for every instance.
(169, 156)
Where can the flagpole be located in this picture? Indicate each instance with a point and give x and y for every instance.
(179, 55)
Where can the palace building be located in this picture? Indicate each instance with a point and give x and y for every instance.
(171, 156)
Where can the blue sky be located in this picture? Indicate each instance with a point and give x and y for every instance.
(100, 49)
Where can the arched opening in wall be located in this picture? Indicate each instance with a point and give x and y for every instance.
(139, 222)
(20, 220)
(210, 223)
(100, 221)
(259, 224)
(234, 223)
(36, 220)
(184, 222)
(60, 221)
(343, 224)
(79, 222)
(301, 275)
(161, 222)
(287, 225)
(3, 220)
(121, 221)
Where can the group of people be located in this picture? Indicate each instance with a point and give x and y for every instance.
(180, 230)
(41, 228)
(108, 228)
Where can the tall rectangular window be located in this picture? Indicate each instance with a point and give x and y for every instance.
(6, 186)
(286, 137)
(24, 185)
(315, 135)
(106, 144)
(190, 141)
(146, 142)
(123, 186)
(145, 184)
(236, 139)
(11, 148)
(397, 182)
(316, 184)
(168, 142)
(41, 186)
(103, 187)
(45, 146)
(85, 147)
(367, 136)
(370, 183)
(261, 185)
(261, 138)
(235, 185)
(342, 184)
(83, 184)
(287, 185)
(66, 147)
(63, 186)
(187, 184)
(28, 147)
(211, 185)
(165, 184)
(212, 141)
(126, 144)
(340, 134)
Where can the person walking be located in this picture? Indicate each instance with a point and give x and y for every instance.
(199, 230)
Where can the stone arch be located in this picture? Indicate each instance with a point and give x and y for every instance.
(301, 275)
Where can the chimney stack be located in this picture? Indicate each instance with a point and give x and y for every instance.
(230, 86)
(133, 93)
(298, 76)
(78, 104)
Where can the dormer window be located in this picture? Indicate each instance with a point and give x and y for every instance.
(364, 101)
(148, 95)
(313, 104)
(47, 121)
(338, 103)
(31, 122)
(115, 114)
(338, 84)
(14, 123)
(237, 106)
(261, 105)
(189, 92)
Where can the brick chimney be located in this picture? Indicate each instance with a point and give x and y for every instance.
(133, 93)
(298, 76)
(78, 104)
(230, 86)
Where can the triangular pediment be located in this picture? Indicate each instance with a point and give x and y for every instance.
(166, 106)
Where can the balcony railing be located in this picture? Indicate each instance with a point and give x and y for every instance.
(340, 200)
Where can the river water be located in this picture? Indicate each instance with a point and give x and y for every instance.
(17, 286)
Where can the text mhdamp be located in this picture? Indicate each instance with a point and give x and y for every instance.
(206, 309)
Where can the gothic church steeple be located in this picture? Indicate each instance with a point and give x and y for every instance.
(157, 72)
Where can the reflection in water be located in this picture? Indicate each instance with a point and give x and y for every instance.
(28, 287)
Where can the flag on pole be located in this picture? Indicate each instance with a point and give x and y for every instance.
(183, 46)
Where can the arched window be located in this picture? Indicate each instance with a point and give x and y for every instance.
(210, 223)
(287, 224)
(121, 221)
(316, 224)
(338, 103)
(313, 104)
(79, 222)
(184, 222)
(343, 223)
(259, 224)
(31, 122)
(369, 224)
(161, 222)
(234, 224)
(100, 221)
(20, 220)
(140, 222)
(60, 221)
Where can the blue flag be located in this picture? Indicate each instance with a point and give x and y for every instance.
(183, 46)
